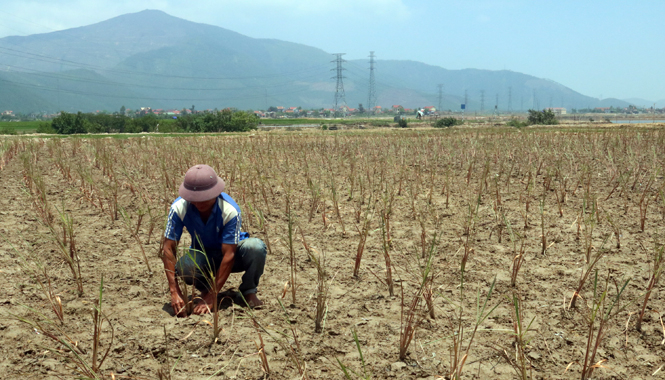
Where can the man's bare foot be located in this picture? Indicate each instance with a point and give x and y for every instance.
(253, 301)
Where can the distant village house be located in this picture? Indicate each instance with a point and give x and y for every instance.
(558, 110)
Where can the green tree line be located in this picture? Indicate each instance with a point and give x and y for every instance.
(222, 121)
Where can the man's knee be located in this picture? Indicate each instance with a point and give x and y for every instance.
(254, 247)
(185, 268)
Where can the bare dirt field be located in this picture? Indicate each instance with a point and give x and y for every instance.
(487, 235)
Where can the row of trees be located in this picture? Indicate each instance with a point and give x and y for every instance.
(222, 121)
(544, 117)
(71, 123)
(631, 109)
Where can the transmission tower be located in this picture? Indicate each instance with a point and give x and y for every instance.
(510, 99)
(466, 97)
(482, 100)
(371, 97)
(496, 106)
(340, 98)
(440, 97)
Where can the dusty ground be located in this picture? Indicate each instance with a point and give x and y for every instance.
(136, 301)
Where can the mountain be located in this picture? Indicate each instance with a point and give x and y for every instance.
(19, 98)
(107, 43)
(639, 102)
(484, 88)
(153, 59)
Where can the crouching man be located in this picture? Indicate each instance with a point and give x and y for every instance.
(218, 248)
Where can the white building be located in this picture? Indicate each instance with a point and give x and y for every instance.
(557, 110)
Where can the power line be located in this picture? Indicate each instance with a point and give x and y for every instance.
(45, 58)
(360, 74)
(339, 90)
(371, 97)
(63, 76)
(73, 92)
(312, 71)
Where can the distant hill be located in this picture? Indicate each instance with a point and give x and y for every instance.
(639, 102)
(19, 98)
(153, 59)
(515, 90)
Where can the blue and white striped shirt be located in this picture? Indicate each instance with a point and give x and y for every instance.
(223, 225)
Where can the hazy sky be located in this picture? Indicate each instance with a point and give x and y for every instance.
(609, 48)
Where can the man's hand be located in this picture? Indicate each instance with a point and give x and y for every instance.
(208, 299)
(205, 304)
(179, 305)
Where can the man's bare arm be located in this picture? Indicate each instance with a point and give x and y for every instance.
(168, 258)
